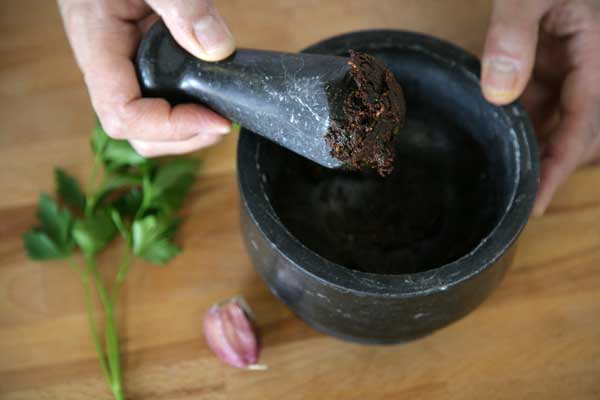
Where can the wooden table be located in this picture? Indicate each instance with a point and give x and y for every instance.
(537, 337)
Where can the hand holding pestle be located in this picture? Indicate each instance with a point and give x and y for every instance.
(332, 110)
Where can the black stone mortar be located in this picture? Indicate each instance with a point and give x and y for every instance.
(384, 260)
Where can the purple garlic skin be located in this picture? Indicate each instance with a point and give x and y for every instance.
(230, 335)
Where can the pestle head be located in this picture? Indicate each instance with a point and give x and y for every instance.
(335, 111)
(363, 131)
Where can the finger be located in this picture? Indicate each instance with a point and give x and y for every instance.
(155, 149)
(565, 150)
(552, 59)
(510, 47)
(104, 47)
(127, 116)
(155, 120)
(197, 26)
(146, 23)
(536, 100)
(576, 139)
(541, 103)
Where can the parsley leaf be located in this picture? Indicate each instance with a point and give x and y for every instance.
(99, 139)
(113, 185)
(39, 246)
(118, 153)
(151, 238)
(53, 238)
(55, 222)
(129, 202)
(172, 182)
(115, 153)
(93, 233)
(161, 252)
(69, 190)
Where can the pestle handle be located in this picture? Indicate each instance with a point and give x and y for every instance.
(285, 97)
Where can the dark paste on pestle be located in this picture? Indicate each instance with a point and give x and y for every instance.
(372, 114)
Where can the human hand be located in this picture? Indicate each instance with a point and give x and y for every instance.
(549, 51)
(104, 35)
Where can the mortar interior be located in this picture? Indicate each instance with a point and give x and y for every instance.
(454, 177)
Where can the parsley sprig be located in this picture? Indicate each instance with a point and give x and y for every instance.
(127, 196)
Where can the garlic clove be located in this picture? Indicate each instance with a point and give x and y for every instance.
(230, 335)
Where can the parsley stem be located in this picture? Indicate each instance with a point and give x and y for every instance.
(94, 172)
(124, 265)
(111, 338)
(85, 280)
(90, 203)
(146, 192)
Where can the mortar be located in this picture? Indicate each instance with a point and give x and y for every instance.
(385, 260)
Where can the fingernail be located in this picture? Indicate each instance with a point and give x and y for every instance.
(214, 36)
(224, 130)
(216, 130)
(500, 78)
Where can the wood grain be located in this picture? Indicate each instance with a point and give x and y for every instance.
(537, 337)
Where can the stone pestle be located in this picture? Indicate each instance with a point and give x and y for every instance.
(291, 99)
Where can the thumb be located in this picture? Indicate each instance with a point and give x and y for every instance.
(509, 52)
(197, 26)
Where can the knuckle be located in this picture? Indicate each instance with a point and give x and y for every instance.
(174, 129)
(113, 127)
(569, 17)
(176, 133)
(511, 41)
(172, 135)
(122, 124)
